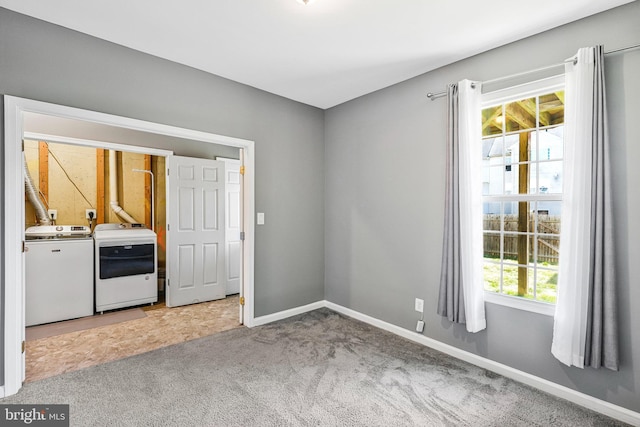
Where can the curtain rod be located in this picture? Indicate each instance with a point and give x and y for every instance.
(437, 95)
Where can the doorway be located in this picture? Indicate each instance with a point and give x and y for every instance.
(157, 134)
(56, 348)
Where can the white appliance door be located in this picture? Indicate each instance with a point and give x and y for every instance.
(196, 231)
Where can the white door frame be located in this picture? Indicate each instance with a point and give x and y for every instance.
(13, 307)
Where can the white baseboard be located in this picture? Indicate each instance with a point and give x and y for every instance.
(590, 402)
(263, 320)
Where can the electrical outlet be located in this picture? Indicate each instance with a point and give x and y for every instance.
(419, 305)
(53, 214)
(420, 326)
(90, 213)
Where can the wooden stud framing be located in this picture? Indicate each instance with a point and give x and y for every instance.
(43, 170)
(523, 214)
(100, 190)
(147, 192)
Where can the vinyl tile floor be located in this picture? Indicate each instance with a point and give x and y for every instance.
(162, 326)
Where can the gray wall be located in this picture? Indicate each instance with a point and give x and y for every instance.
(384, 202)
(49, 63)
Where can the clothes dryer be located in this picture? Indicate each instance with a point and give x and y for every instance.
(125, 266)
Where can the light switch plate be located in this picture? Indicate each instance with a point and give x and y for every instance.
(260, 219)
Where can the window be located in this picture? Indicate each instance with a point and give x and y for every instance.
(522, 149)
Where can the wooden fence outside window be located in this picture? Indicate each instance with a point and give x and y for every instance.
(548, 237)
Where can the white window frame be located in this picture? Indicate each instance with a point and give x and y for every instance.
(502, 96)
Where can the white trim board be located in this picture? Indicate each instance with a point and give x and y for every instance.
(13, 307)
(582, 399)
(269, 318)
(93, 143)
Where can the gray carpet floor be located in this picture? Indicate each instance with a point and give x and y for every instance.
(315, 369)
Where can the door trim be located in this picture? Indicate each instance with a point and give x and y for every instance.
(13, 274)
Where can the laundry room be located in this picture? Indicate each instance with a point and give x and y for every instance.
(74, 182)
(74, 192)
(73, 179)
(96, 262)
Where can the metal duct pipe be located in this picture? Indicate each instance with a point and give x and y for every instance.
(32, 195)
(113, 190)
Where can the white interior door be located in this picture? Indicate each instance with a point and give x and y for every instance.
(233, 222)
(196, 230)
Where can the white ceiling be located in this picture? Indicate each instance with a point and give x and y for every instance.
(321, 54)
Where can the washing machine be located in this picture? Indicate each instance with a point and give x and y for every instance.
(58, 273)
(125, 266)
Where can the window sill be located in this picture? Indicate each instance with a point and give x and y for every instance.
(520, 303)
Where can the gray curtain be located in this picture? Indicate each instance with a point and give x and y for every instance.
(451, 297)
(602, 323)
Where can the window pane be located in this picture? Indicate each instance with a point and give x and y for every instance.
(548, 248)
(546, 284)
(518, 246)
(511, 219)
(515, 280)
(550, 177)
(518, 217)
(493, 148)
(491, 222)
(510, 245)
(510, 208)
(491, 276)
(491, 208)
(548, 217)
(521, 163)
(492, 244)
(492, 121)
(532, 169)
(551, 108)
(533, 146)
(521, 115)
(511, 179)
(551, 143)
(513, 143)
(492, 182)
